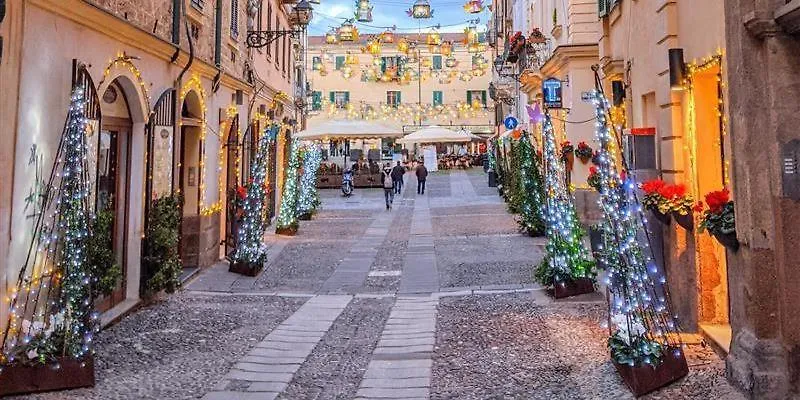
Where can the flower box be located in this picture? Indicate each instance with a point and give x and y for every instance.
(686, 221)
(18, 378)
(573, 288)
(644, 379)
(246, 268)
(728, 240)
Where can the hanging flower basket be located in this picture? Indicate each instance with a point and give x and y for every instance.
(719, 218)
(685, 221)
(19, 378)
(572, 288)
(584, 152)
(665, 219)
(643, 379)
(246, 268)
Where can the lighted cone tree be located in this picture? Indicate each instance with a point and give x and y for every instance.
(309, 197)
(644, 341)
(530, 189)
(568, 266)
(287, 216)
(251, 251)
(47, 342)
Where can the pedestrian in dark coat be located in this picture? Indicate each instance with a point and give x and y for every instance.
(397, 177)
(422, 174)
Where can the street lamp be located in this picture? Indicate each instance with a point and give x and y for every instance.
(299, 18)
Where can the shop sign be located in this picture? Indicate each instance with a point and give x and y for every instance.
(551, 91)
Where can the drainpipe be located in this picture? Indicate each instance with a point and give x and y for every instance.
(176, 143)
(218, 47)
(177, 10)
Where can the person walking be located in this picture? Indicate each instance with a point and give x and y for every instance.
(397, 177)
(422, 174)
(388, 186)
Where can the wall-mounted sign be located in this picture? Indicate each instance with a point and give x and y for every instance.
(510, 122)
(551, 92)
(649, 131)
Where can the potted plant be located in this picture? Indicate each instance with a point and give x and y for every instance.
(719, 219)
(594, 178)
(678, 204)
(568, 154)
(596, 158)
(584, 152)
(653, 198)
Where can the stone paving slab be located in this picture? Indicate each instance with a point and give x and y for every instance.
(269, 367)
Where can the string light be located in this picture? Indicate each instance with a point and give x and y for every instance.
(124, 61)
(194, 84)
(309, 197)
(287, 217)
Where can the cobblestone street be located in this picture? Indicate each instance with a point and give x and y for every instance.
(433, 299)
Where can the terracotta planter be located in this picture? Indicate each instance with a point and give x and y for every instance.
(661, 217)
(644, 379)
(246, 268)
(685, 221)
(290, 230)
(573, 288)
(728, 240)
(19, 379)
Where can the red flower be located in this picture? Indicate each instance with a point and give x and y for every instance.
(583, 145)
(672, 191)
(652, 186)
(592, 170)
(716, 200)
(241, 191)
(698, 208)
(566, 143)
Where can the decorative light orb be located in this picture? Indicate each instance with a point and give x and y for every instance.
(447, 48)
(363, 11)
(330, 38)
(420, 10)
(473, 6)
(402, 45)
(435, 49)
(471, 35)
(434, 38)
(427, 62)
(387, 36)
(451, 62)
(351, 59)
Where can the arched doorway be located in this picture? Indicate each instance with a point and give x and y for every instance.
(119, 177)
(198, 247)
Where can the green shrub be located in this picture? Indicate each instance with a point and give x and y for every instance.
(102, 262)
(161, 263)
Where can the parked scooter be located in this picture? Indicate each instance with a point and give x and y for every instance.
(347, 183)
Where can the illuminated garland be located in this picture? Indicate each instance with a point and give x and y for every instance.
(250, 245)
(124, 61)
(642, 328)
(51, 312)
(405, 113)
(567, 256)
(287, 217)
(224, 127)
(309, 196)
(530, 188)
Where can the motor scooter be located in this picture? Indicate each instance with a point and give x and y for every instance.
(347, 183)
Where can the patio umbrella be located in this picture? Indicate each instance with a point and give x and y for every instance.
(438, 134)
(348, 129)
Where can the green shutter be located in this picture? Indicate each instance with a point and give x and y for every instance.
(333, 97)
(383, 64)
(346, 97)
(602, 8)
(437, 97)
(316, 100)
(399, 96)
(469, 97)
(400, 66)
(483, 97)
(437, 62)
(339, 62)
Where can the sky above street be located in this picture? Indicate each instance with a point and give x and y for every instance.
(449, 14)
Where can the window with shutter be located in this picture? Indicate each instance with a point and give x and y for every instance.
(316, 100)
(437, 62)
(269, 26)
(340, 98)
(234, 18)
(469, 97)
(339, 62)
(277, 27)
(393, 98)
(602, 7)
(479, 95)
(437, 98)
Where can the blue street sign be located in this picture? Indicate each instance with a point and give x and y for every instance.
(510, 122)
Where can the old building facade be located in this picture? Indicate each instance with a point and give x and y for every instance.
(180, 98)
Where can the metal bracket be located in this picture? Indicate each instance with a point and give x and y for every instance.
(259, 39)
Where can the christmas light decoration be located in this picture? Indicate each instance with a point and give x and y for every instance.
(363, 11)
(387, 36)
(420, 10)
(309, 197)
(451, 62)
(287, 217)
(642, 329)
(331, 37)
(530, 188)
(473, 6)
(433, 38)
(347, 32)
(51, 315)
(567, 256)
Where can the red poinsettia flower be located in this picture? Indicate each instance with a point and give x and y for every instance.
(672, 191)
(652, 186)
(716, 200)
(241, 191)
(583, 145)
(566, 143)
(592, 170)
(698, 208)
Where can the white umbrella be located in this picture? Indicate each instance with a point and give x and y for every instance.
(438, 134)
(347, 129)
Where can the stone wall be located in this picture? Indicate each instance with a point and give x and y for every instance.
(764, 86)
(200, 240)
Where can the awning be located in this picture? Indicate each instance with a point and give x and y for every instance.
(348, 129)
(438, 134)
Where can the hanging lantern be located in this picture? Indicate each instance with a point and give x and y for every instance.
(471, 35)
(322, 70)
(347, 32)
(434, 38)
(347, 72)
(427, 62)
(420, 10)
(402, 45)
(363, 11)
(330, 38)
(351, 59)
(435, 49)
(374, 47)
(473, 6)
(474, 48)
(447, 48)
(451, 62)
(387, 36)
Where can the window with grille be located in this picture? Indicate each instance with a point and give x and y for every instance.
(235, 18)
(393, 98)
(340, 98)
(479, 95)
(316, 100)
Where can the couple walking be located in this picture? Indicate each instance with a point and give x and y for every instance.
(393, 181)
